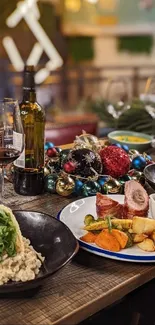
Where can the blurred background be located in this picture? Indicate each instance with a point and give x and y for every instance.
(95, 62)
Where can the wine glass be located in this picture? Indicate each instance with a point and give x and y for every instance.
(11, 136)
(117, 94)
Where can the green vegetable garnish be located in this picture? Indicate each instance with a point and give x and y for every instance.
(88, 219)
(130, 240)
(108, 219)
(7, 235)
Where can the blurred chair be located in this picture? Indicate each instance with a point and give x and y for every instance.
(65, 129)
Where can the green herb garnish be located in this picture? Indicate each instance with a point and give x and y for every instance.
(108, 219)
(7, 235)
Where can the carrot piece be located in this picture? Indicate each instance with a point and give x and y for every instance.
(120, 236)
(107, 241)
(89, 237)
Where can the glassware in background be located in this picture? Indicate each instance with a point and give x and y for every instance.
(117, 95)
(149, 96)
(11, 136)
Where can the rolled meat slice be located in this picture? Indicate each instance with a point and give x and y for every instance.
(105, 207)
(136, 201)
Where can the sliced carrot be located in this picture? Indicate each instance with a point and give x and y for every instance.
(107, 241)
(120, 236)
(89, 237)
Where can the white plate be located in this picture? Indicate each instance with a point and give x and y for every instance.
(73, 216)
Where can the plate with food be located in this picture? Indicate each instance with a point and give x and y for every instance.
(119, 227)
(33, 246)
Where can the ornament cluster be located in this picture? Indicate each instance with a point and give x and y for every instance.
(90, 167)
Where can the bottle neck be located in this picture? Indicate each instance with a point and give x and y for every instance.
(29, 95)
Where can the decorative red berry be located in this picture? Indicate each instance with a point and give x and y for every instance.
(69, 167)
(52, 152)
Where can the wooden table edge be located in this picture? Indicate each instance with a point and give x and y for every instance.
(114, 295)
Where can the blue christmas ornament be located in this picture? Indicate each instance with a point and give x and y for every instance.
(78, 187)
(139, 163)
(117, 145)
(125, 147)
(48, 145)
(102, 180)
(148, 158)
(90, 188)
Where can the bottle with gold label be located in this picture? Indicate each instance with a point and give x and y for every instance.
(29, 167)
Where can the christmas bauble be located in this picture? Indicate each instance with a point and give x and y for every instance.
(90, 188)
(117, 145)
(139, 163)
(53, 164)
(52, 152)
(78, 187)
(87, 162)
(102, 182)
(124, 179)
(46, 171)
(48, 145)
(50, 183)
(113, 186)
(133, 153)
(116, 161)
(58, 149)
(69, 167)
(125, 147)
(88, 141)
(137, 176)
(65, 185)
(64, 156)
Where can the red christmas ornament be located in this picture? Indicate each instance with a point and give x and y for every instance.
(69, 167)
(52, 152)
(116, 161)
(149, 162)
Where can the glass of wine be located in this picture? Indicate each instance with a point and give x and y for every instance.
(11, 136)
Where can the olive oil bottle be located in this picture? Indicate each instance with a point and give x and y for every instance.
(29, 167)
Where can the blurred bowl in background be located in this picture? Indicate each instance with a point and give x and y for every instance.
(134, 140)
(149, 174)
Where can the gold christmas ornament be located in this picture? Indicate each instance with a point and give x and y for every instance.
(86, 140)
(65, 185)
(46, 171)
(113, 186)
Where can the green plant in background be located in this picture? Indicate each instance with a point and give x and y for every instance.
(134, 116)
(135, 44)
(81, 48)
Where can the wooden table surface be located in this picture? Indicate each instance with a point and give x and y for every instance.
(82, 288)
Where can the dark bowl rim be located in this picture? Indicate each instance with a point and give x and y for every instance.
(147, 167)
(20, 284)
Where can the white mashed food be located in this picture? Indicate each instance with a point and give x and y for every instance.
(22, 267)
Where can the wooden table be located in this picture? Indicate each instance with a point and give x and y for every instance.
(83, 287)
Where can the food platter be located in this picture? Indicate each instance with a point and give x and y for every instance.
(73, 216)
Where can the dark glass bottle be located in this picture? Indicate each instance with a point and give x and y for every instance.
(29, 167)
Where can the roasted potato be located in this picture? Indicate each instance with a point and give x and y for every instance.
(152, 236)
(147, 245)
(138, 238)
(143, 225)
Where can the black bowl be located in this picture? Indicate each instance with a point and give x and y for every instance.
(149, 173)
(51, 238)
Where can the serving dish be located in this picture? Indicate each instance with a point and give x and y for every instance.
(52, 239)
(73, 216)
(134, 140)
